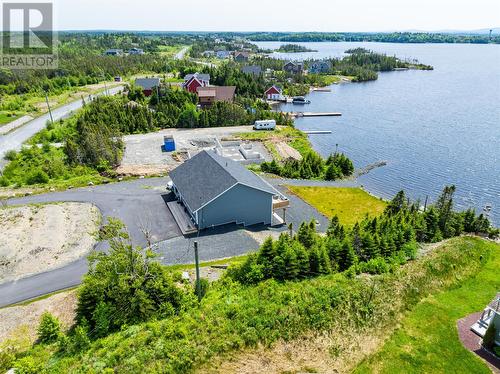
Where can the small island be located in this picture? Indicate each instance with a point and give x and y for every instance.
(294, 48)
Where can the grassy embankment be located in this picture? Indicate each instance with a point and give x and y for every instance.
(427, 339)
(351, 205)
(233, 319)
(287, 134)
(34, 104)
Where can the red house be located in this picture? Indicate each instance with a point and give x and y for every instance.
(273, 93)
(193, 81)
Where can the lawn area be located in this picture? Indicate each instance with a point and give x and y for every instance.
(427, 341)
(7, 117)
(349, 204)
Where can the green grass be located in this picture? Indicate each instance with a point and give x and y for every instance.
(349, 204)
(226, 261)
(232, 318)
(7, 118)
(427, 341)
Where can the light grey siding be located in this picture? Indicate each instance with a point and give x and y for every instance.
(241, 205)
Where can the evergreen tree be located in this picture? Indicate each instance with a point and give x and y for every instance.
(306, 234)
(291, 263)
(302, 259)
(347, 256)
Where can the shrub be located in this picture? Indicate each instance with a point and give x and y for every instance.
(37, 176)
(10, 155)
(374, 266)
(126, 283)
(49, 329)
(28, 365)
(4, 182)
(204, 285)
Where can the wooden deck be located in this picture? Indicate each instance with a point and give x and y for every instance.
(182, 218)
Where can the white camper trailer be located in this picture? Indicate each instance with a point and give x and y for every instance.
(268, 124)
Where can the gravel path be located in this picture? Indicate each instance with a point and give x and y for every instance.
(473, 342)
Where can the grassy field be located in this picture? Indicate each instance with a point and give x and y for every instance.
(349, 204)
(427, 340)
(7, 117)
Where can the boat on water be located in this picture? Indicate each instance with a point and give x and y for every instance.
(300, 100)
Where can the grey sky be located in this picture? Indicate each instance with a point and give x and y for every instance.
(277, 15)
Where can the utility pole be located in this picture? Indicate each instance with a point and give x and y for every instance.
(197, 263)
(48, 106)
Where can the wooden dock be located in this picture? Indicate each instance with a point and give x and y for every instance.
(314, 114)
(314, 132)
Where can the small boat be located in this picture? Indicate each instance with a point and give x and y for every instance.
(300, 100)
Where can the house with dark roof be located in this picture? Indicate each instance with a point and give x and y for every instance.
(193, 81)
(319, 67)
(148, 85)
(223, 54)
(136, 51)
(241, 56)
(215, 190)
(293, 67)
(114, 52)
(208, 95)
(254, 70)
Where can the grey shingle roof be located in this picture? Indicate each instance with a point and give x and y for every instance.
(147, 83)
(202, 77)
(207, 175)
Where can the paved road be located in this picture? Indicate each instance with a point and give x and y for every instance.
(16, 138)
(141, 203)
(180, 55)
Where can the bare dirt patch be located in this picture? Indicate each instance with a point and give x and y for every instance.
(37, 238)
(285, 151)
(22, 321)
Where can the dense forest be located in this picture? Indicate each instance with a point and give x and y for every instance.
(394, 37)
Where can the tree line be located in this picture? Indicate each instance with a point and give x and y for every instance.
(374, 245)
(311, 166)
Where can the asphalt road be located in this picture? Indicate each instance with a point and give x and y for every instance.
(15, 139)
(141, 204)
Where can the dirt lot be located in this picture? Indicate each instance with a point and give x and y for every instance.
(37, 238)
(144, 155)
(21, 322)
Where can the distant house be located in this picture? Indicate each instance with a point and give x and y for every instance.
(212, 190)
(273, 93)
(223, 54)
(208, 53)
(208, 95)
(113, 52)
(252, 70)
(148, 85)
(136, 51)
(294, 67)
(241, 56)
(320, 67)
(193, 81)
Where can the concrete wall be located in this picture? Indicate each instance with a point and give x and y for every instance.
(241, 204)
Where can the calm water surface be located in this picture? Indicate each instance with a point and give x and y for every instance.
(434, 128)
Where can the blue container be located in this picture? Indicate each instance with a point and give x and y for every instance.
(168, 144)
